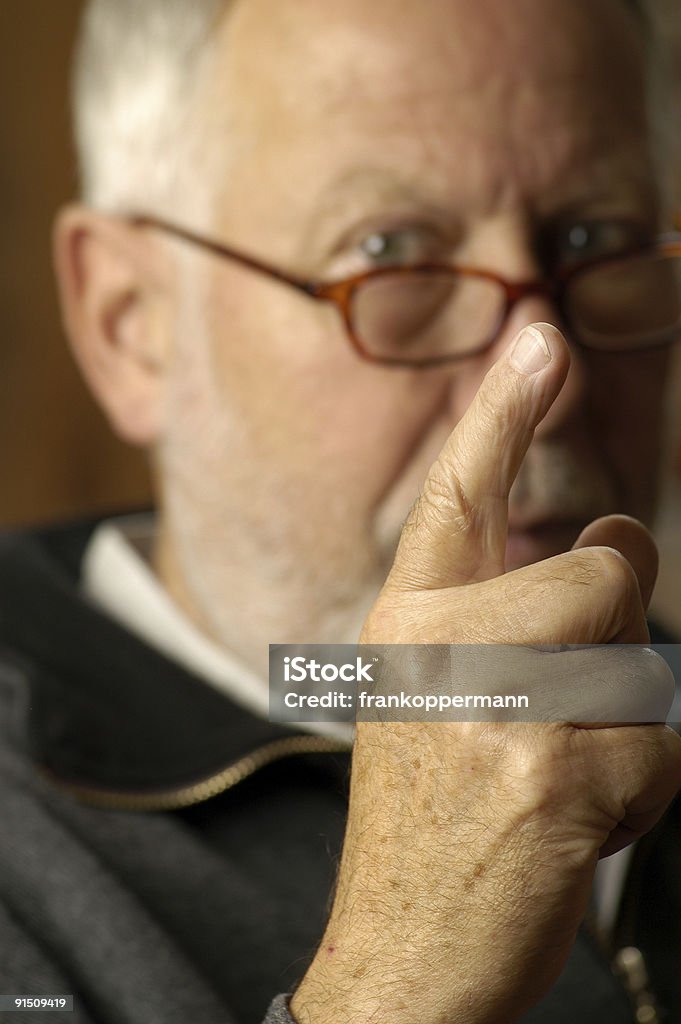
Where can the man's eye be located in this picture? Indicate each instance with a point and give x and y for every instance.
(590, 240)
(395, 248)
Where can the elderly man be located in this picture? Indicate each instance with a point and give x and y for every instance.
(312, 242)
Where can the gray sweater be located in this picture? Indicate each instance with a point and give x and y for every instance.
(164, 856)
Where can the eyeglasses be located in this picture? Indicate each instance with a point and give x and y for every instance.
(428, 314)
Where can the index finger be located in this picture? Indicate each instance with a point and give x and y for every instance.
(456, 531)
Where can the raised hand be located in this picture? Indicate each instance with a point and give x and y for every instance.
(471, 847)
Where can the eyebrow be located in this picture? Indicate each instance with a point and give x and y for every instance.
(355, 192)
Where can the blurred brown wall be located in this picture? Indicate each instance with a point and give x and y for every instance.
(57, 457)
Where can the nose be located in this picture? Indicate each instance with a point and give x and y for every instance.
(569, 410)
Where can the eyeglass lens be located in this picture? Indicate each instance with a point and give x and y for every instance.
(629, 303)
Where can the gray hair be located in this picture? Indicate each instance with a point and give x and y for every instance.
(139, 66)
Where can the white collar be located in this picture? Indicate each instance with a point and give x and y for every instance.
(117, 577)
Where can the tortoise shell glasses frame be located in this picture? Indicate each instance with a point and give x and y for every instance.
(343, 293)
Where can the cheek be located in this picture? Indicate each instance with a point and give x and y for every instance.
(306, 401)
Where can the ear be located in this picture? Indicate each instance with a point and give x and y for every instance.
(115, 314)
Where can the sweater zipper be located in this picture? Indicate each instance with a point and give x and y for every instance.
(213, 785)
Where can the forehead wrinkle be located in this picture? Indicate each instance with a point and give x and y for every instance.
(586, 160)
(354, 48)
(545, 149)
(344, 67)
(428, 127)
(352, 90)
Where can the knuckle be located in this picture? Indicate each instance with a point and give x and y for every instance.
(445, 500)
(399, 618)
(386, 623)
(617, 571)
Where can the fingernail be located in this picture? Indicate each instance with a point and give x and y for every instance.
(530, 352)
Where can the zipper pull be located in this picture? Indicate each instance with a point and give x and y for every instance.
(630, 966)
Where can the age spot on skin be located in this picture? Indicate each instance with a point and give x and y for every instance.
(478, 872)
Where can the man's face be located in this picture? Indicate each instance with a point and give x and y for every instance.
(463, 131)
